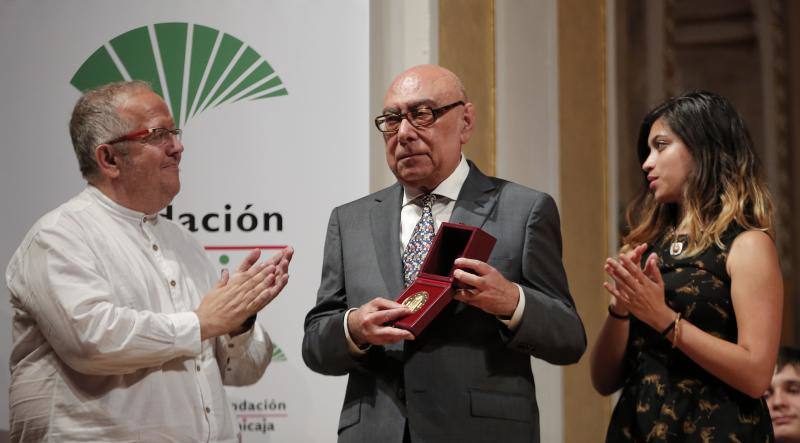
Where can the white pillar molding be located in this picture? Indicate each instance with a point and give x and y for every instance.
(528, 140)
(402, 34)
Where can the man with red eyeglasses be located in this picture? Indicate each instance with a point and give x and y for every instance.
(122, 331)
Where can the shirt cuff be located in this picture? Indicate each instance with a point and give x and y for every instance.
(238, 345)
(187, 332)
(351, 345)
(513, 322)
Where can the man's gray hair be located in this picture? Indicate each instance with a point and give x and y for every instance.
(96, 120)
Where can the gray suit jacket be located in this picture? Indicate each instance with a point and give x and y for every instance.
(467, 377)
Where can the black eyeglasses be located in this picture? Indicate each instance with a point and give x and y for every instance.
(153, 136)
(419, 117)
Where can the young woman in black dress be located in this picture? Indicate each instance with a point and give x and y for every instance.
(696, 294)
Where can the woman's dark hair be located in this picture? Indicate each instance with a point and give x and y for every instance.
(724, 186)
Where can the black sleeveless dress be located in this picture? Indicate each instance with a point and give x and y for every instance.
(669, 398)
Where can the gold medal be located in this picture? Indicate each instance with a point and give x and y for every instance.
(416, 301)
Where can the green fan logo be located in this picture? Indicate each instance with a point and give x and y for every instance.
(277, 353)
(193, 67)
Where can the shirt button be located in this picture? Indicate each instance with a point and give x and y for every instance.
(208, 410)
(198, 368)
(230, 345)
(155, 247)
(172, 283)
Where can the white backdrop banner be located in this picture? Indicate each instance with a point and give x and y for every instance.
(273, 97)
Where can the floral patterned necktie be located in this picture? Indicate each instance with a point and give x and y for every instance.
(420, 241)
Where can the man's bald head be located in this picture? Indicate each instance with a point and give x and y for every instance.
(435, 76)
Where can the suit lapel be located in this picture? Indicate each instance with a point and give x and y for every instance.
(385, 222)
(475, 203)
(476, 199)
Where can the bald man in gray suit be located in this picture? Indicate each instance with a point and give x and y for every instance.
(467, 377)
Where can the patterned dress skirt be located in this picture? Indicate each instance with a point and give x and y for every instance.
(669, 398)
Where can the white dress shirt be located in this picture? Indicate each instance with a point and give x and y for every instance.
(446, 196)
(106, 346)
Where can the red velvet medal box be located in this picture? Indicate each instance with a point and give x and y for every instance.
(435, 285)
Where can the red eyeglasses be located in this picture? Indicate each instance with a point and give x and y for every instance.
(153, 136)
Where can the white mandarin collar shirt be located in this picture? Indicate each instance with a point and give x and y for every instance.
(106, 346)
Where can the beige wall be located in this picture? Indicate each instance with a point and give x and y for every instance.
(584, 202)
